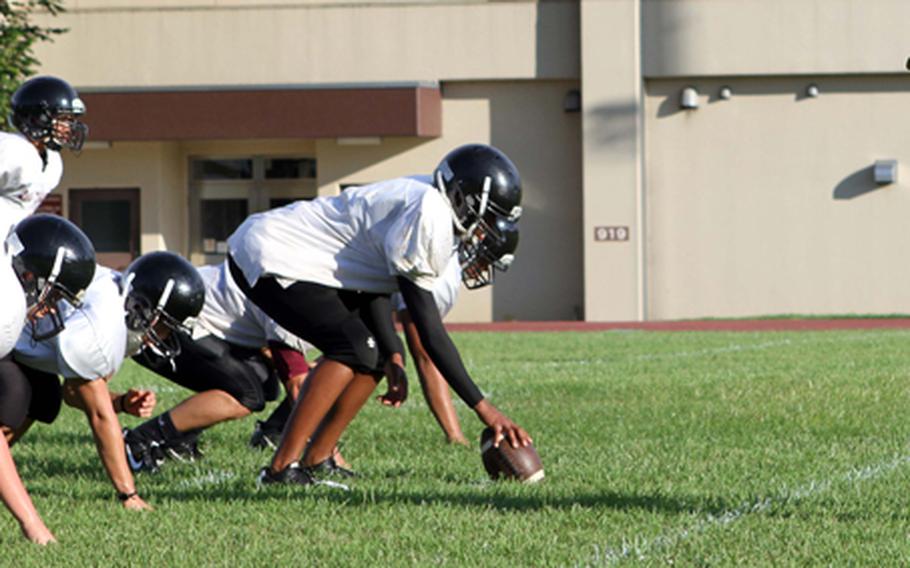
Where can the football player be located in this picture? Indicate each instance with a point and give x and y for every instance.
(359, 247)
(224, 362)
(45, 258)
(119, 315)
(45, 111)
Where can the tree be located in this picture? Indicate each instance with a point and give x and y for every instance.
(17, 36)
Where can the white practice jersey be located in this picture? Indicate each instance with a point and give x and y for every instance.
(228, 314)
(93, 343)
(445, 292)
(359, 240)
(12, 315)
(24, 178)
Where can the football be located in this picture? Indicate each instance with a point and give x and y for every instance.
(505, 462)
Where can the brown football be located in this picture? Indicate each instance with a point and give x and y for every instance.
(505, 462)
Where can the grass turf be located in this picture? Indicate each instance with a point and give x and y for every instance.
(690, 448)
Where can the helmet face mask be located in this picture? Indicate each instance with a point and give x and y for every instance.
(487, 252)
(156, 328)
(54, 261)
(47, 110)
(161, 292)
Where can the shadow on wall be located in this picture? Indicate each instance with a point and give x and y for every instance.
(614, 124)
(858, 183)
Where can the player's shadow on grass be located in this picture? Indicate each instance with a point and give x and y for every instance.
(481, 499)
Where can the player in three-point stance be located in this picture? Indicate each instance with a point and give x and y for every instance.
(224, 362)
(44, 261)
(359, 247)
(119, 316)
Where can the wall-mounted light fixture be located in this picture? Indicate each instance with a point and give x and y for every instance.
(885, 172)
(725, 93)
(572, 101)
(688, 98)
(812, 90)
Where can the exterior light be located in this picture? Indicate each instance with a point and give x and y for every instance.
(688, 98)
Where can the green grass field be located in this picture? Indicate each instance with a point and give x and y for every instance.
(720, 449)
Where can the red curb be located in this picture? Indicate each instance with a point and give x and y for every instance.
(690, 325)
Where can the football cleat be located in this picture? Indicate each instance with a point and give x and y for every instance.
(184, 449)
(294, 474)
(264, 437)
(330, 468)
(141, 455)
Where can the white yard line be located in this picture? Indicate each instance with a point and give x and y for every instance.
(215, 477)
(639, 547)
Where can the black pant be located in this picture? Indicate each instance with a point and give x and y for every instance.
(27, 393)
(210, 363)
(329, 318)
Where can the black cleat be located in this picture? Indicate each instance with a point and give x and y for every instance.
(264, 437)
(330, 468)
(142, 455)
(184, 449)
(295, 475)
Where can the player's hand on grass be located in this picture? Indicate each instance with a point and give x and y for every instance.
(503, 427)
(135, 503)
(38, 533)
(397, 381)
(139, 403)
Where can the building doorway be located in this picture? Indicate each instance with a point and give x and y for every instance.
(110, 218)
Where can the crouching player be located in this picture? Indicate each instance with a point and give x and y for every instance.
(324, 270)
(45, 259)
(224, 362)
(119, 315)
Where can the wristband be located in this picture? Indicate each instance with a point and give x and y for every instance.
(123, 497)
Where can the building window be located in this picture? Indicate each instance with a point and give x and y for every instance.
(219, 218)
(222, 169)
(290, 168)
(224, 190)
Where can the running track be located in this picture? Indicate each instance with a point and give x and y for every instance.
(690, 325)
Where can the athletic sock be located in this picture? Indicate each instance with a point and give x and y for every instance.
(279, 417)
(160, 429)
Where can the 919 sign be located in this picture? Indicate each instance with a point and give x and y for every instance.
(611, 234)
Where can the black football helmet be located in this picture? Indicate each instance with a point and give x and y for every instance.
(54, 261)
(47, 110)
(480, 258)
(161, 288)
(481, 185)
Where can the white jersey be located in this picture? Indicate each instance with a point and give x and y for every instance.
(228, 314)
(445, 292)
(12, 316)
(359, 240)
(93, 343)
(25, 180)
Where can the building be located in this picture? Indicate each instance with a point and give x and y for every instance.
(681, 158)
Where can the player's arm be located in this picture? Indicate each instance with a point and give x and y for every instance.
(378, 318)
(434, 386)
(16, 499)
(94, 398)
(444, 354)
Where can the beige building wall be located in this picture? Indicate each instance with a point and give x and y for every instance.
(119, 43)
(766, 204)
(698, 38)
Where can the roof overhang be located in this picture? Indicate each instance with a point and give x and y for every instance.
(315, 111)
